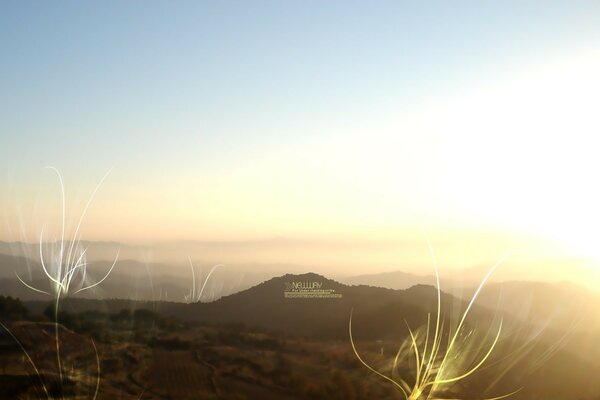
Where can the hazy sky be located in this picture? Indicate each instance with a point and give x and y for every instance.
(245, 120)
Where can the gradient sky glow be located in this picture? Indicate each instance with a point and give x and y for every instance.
(244, 120)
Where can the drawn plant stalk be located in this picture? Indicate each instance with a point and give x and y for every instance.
(196, 296)
(433, 363)
(66, 271)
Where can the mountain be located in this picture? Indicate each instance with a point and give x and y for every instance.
(266, 306)
(521, 359)
(9, 265)
(378, 313)
(545, 365)
(130, 279)
(389, 280)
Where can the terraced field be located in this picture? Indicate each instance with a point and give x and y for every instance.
(179, 375)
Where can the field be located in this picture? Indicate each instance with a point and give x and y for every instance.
(165, 359)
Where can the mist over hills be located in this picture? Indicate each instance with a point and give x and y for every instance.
(276, 255)
(144, 278)
(349, 262)
(390, 280)
(547, 304)
(130, 279)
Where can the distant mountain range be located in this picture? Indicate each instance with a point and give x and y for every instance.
(129, 280)
(390, 280)
(277, 256)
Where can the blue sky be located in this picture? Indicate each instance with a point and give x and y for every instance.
(198, 78)
(271, 118)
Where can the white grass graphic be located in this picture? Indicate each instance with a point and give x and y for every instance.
(195, 296)
(437, 368)
(64, 262)
(64, 265)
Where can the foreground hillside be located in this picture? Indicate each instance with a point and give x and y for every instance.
(263, 344)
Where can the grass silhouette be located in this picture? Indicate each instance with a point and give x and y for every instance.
(437, 367)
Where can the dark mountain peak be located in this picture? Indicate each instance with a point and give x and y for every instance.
(421, 288)
(422, 292)
(304, 304)
(306, 277)
(276, 286)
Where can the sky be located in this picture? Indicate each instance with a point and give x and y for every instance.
(472, 123)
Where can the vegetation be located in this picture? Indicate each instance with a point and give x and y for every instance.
(232, 350)
(12, 309)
